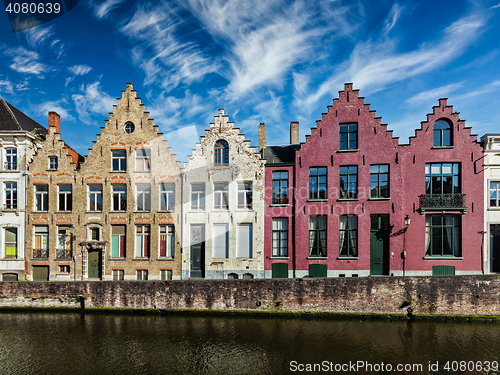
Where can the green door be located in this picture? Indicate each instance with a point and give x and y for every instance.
(94, 264)
(197, 251)
(379, 244)
(40, 273)
(317, 270)
(279, 270)
(495, 247)
(443, 270)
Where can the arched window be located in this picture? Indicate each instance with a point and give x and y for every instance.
(221, 155)
(442, 133)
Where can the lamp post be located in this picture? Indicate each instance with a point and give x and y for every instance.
(403, 254)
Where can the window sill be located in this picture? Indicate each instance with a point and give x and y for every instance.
(120, 259)
(197, 210)
(278, 257)
(166, 211)
(166, 258)
(441, 147)
(349, 150)
(279, 205)
(221, 209)
(52, 170)
(93, 212)
(117, 171)
(347, 199)
(318, 200)
(443, 258)
(117, 211)
(244, 210)
(64, 259)
(141, 259)
(379, 199)
(347, 258)
(493, 208)
(63, 212)
(142, 212)
(313, 257)
(146, 171)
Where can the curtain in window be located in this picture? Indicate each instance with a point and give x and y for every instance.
(342, 232)
(427, 235)
(353, 234)
(322, 236)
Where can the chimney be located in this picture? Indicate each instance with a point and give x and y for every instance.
(54, 121)
(294, 133)
(262, 136)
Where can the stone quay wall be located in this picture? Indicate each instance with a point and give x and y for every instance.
(436, 296)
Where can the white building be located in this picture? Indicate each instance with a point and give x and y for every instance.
(17, 147)
(223, 206)
(491, 144)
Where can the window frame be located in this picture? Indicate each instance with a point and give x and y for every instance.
(65, 197)
(43, 236)
(120, 160)
(143, 197)
(96, 194)
(456, 235)
(118, 197)
(496, 190)
(142, 238)
(167, 241)
(345, 187)
(378, 187)
(10, 195)
(221, 153)
(200, 196)
(11, 159)
(167, 196)
(245, 195)
(11, 253)
(41, 198)
(280, 235)
(346, 235)
(66, 250)
(240, 253)
(119, 251)
(432, 178)
(440, 133)
(142, 275)
(215, 250)
(221, 194)
(143, 160)
(350, 133)
(318, 244)
(315, 180)
(53, 163)
(280, 192)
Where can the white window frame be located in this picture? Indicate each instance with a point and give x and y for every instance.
(10, 154)
(167, 235)
(120, 195)
(62, 196)
(41, 197)
(122, 161)
(244, 241)
(143, 160)
(143, 197)
(142, 233)
(245, 195)
(167, 197)
(10, 199)
(221, 195)
(95, 194)
(220, 234)
(199, 195)
(53, 162)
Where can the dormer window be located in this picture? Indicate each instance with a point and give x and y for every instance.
(442, 134)
(53, 162)
(221, 153)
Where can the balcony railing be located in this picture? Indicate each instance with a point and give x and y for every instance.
(64, 253)
(441, 202)
(40, 253)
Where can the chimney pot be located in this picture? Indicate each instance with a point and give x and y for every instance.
(294, 133)
(54, 122)
(262, 136)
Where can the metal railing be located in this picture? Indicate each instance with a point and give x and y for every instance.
(64, 253)
(442, 201)
(40, 253)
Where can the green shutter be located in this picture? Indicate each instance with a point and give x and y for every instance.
(279, 270)
(443, 270)
(317, 270)
(115, 246)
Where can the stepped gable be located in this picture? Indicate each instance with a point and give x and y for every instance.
(145, 135)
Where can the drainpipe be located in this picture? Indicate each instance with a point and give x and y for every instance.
(483, 232)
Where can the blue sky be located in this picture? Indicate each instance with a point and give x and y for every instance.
(269, 61)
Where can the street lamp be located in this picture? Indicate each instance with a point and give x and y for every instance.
(407, 220)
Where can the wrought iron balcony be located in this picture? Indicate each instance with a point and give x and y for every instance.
(442, 202)
(40, 253)
(64, 253)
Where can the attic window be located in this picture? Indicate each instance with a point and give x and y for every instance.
(442, 134)
(129, 127)
(53, 162)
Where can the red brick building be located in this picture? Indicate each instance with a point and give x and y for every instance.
(357, 203)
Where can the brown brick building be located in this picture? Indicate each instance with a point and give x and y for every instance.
(113, 215)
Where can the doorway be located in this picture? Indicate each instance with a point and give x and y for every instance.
(197, 251)
(495, 248)
(94, 264)
(379, 244)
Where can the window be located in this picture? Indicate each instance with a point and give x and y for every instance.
(244, 241)
(197, 196)
(280, 187)
(442, 133)
(221, 153)
(317, 183)
(11, 242)
(167, 241)
(495, 194)
(129, 127)
(167, 197)
(442, 178)
(11, 195)
(379, 181)
(348, 182)
(142, 233)
(221, 201)
(118, 275)
(119, 160)
(65, 197)
(119, 197)
(11, 157)
(41, 197)
(142, 274)
(118, 241)
(280, 237)
(143, 160)
(63, 268)
(220, 241)
(63, 243)
(317, 236)
(245, 195)
(166, 274)
(348, 136)
(348, 235)
(143, 194)
(41, 248)
(442, 235)
(53, 162)
(95, 197)
(95, 234)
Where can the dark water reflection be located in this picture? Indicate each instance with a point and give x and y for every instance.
(39, 343)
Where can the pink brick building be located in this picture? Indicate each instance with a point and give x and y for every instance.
(351, 201)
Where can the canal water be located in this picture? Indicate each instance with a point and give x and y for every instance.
(65, 343)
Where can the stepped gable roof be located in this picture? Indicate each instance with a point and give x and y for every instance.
(13, 119)
(280, 154)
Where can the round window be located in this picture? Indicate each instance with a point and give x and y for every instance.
(129, 127)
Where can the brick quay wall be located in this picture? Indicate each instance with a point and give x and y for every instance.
(469, 296)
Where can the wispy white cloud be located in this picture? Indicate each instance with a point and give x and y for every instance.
(25, 61)
(80, 69)
(492, 86)
(160, 52)
(375, 65)
(60, 106)
(432, 95)
(391, 21)
(37, 36)
(92, 101)
(6, 86)
(103, 9)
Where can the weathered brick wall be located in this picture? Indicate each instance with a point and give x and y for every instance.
(455, 295)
